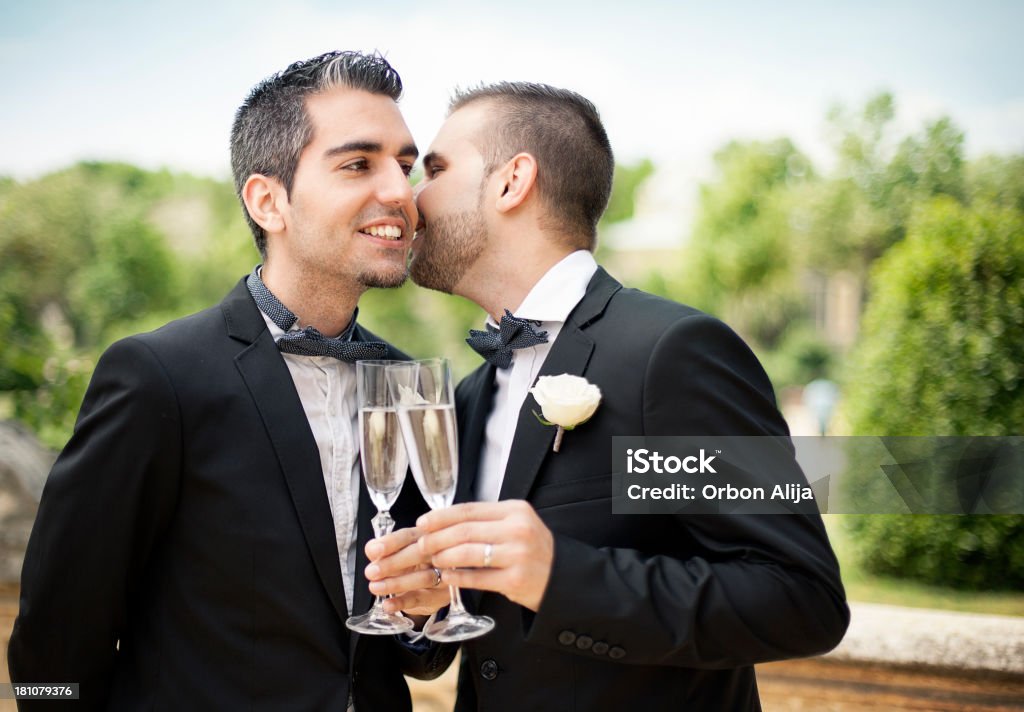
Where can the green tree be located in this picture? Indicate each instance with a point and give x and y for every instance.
(772, 231)
(998, 180)
(627, 180)
(940, 355)
(740, 264)
(84, 259)
(864, 207)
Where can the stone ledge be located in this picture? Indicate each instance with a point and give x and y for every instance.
(931, 640)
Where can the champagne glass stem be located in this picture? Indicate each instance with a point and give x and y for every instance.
(456, 604)
(383, 523)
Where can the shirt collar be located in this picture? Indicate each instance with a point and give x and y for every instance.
(277, 332)
(558, 292)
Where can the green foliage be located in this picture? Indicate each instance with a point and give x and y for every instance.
(859, 139)
(131, 272)
(946, 325)
(877, 186)
(628, 178)
(973, 552)
(777, 244)
(998, 180)
(6, 185)
(772, 232)
(801, 356)
(50, 409)
(95, 252)
(940, 355)
(740, 265)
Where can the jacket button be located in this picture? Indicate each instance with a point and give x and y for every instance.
(600, 648)
(616, 653)
(566, 637)
(488, 669)
(584, 642)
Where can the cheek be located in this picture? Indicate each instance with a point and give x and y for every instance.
(427, 201)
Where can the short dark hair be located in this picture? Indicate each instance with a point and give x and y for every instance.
(272, 125)
(563, 131)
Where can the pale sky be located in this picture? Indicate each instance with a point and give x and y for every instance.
(156, 83)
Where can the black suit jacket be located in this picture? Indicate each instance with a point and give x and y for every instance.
(653, 612)
(184, 555)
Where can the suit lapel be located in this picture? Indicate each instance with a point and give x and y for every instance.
(270, 385)
(569, 354)
(474, 400)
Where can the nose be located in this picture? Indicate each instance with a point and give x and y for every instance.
(393, 187)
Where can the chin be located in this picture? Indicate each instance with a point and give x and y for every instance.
(384, 279)
(429, 278)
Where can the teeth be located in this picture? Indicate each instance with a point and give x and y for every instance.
(391, 232)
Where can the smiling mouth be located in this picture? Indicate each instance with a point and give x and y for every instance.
(384, 232)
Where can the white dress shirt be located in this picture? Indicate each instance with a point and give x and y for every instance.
(327, 389)
(550, 301)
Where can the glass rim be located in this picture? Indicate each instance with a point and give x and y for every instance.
(443, 361)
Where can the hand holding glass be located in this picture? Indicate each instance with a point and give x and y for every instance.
(384, 467)
(424, 396)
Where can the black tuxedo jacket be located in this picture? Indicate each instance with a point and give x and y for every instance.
(184, 555)
(653, 612)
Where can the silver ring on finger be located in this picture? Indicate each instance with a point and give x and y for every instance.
(437, 577)
(488, 555)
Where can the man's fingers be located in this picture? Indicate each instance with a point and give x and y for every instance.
(441, 518)
(462, 533)
(471, 555)
(422, 602)
(407, 560)
(422, 578)
(389, 544)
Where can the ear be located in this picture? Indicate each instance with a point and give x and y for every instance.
(265, 199)
(518, 178)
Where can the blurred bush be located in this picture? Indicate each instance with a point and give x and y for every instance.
(932, 243)
(941, 354)
(92, 253)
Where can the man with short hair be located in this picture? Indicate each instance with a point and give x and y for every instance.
(198, 540)
(594, 611)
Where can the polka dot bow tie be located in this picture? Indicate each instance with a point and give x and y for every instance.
(309, 341)
(497, 345)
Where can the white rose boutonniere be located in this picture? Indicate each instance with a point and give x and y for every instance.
(565, 401)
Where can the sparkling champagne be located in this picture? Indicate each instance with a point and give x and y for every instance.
(383, 455)
(432, 441)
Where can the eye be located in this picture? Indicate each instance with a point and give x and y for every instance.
(358, 165)
(406, 168)
(433, 169)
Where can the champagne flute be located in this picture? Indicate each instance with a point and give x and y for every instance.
(385, 463)
(423, 393)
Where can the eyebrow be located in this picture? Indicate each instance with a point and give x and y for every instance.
(432, 158)
(409, 149)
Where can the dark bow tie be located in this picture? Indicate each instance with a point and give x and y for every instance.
(309, 341)
(497, 345)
